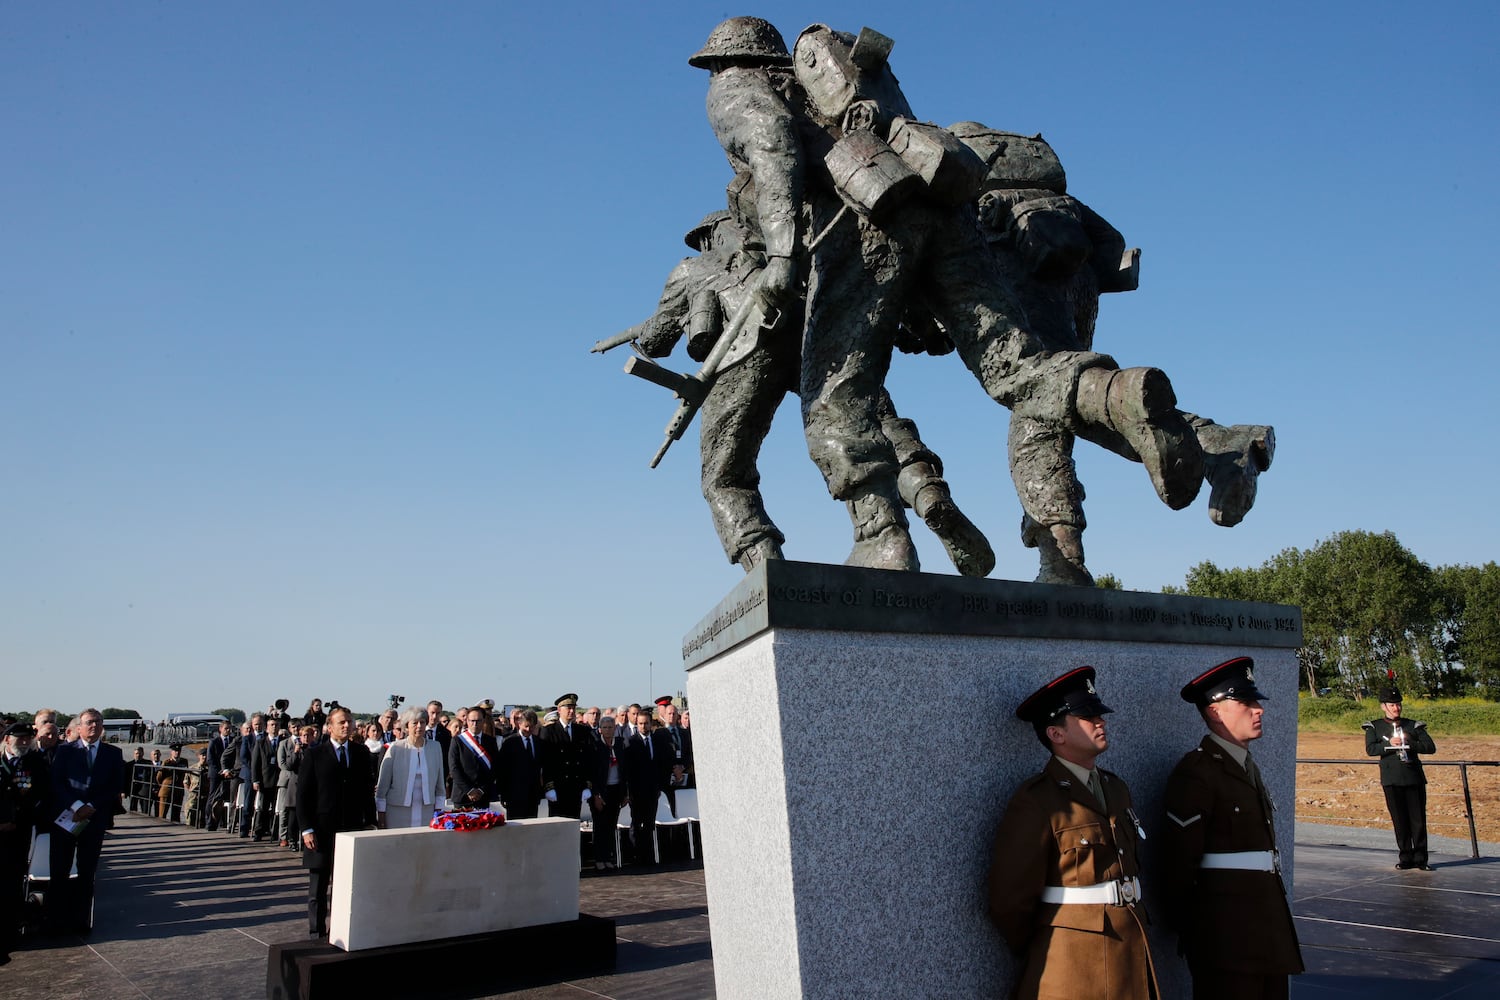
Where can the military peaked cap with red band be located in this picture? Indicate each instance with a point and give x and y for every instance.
(1231, 680)
(1071, 694)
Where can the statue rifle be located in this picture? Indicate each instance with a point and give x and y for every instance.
(691, 390)
(623, 337)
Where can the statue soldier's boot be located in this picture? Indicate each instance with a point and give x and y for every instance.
(1234, 457)
(1061, 549)
(926, 492)
(758, 552)
(881, 538)
(1138, 404)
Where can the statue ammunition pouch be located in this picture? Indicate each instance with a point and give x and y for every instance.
(1013, 160)
(954, 174)
(869, 175)
(704, 322)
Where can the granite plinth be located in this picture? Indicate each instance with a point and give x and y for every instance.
(851, 847)
(394, 887)
(464, 966)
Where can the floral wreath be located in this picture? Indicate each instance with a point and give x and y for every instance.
(467, 819)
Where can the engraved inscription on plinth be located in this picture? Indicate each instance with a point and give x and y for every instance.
(785, 594)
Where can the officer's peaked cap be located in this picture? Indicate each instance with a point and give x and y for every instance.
(1071, 694)
(1232, 680)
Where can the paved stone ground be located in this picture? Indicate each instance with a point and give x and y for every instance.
(190, 914)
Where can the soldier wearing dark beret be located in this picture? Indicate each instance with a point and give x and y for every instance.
(1064, 884)
(1224, 893)
(1397, 741)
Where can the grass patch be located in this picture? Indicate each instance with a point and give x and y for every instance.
(1448, 716)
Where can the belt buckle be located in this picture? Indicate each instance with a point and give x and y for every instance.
(1276, 861)
(1127, 892)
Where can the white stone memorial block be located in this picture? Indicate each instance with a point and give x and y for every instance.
(403, 886)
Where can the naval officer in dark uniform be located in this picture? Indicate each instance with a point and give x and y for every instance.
(1064, 884)
(568, 757)
(1224, 893)
(1397, 741)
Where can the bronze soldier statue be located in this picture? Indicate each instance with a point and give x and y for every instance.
(700, 295)
(1058, 256)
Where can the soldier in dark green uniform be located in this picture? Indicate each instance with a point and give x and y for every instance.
(1224, 893)
(1397, 742)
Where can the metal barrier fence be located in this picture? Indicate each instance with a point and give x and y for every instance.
(186, 795)
(175, 794)
(1463, 771)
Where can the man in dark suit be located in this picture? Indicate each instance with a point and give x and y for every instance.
(436, 730)
(568, 758)
(643, 783)
(91, 773)
(335, 793)
(251, 735)
(215, 771)
(474, 763)
(674, 750)
(265, 771)
(521, 769)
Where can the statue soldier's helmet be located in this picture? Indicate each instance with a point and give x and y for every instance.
(697, 237)
(749, 40)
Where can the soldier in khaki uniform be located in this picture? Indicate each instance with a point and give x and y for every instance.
(1064, 882)
(1225, 897)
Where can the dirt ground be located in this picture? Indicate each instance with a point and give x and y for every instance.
(1350, 795)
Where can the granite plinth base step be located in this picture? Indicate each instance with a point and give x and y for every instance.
(313, 970)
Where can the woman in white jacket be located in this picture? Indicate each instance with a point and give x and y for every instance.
(410, 786)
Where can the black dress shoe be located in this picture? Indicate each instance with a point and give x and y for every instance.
(1401, 866)
(1425, 868)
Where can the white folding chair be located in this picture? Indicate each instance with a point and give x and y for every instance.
(665, 818)
(687, 808)
(621, 825)
(39, 869)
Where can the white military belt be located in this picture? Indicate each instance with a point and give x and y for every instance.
(1121, 893)
(1249, 861)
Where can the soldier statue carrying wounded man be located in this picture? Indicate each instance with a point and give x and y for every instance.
(853, 228)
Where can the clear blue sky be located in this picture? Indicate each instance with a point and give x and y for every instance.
(295, 303)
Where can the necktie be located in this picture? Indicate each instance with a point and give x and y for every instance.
(93, 749)
(527, 741)
(1097, 789)
(1260, 786)
(343, 760)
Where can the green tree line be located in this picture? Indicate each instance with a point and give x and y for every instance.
(1370, 606)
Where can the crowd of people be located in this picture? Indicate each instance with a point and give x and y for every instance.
(403, 767)
(597, 758)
